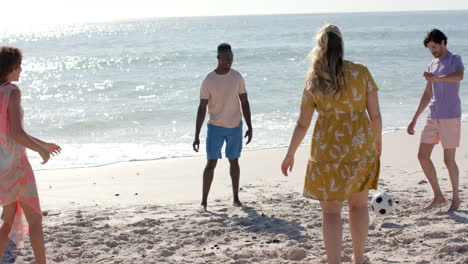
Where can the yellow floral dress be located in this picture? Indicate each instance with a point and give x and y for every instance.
(343, 159)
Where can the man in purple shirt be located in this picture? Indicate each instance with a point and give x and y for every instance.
(443, 124)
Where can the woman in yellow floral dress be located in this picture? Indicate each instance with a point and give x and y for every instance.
(346, 144)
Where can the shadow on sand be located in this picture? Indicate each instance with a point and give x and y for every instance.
(262, 223)
(10, 254)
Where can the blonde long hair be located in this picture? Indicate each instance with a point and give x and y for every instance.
(326, 69)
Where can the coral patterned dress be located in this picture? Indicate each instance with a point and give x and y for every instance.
(343, 159)
(17, 182)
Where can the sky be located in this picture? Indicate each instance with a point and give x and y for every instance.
(37, 12)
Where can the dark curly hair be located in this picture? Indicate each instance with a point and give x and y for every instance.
(435, 35)
(10, 59)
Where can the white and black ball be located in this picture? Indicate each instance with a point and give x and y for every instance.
(382, 204)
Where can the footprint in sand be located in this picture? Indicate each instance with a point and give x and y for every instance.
(461, 248)
(455, 239)
(296, 254)
(437, 235)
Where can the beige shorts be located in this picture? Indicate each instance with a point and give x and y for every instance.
(447, 131)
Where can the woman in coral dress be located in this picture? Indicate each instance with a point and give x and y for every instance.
(18, 191)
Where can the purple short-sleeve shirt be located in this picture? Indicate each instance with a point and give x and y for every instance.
(445, 102)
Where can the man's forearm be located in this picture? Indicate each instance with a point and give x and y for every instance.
(247, 116)
(200, 119)
(456, 76)
(425, 100)
(450, 78)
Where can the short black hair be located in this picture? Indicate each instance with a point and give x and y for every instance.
(435, 35)
(224, 47)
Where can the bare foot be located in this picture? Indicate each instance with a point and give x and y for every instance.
(203, 207)
(362, 260)
(437, 202)
(237, 203)
(455, 205)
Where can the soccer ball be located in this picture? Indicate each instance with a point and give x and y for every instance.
(382, 204)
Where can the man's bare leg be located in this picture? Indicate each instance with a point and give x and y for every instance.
(208, 174)
(424, 156)
(235, 176)
(449, 159)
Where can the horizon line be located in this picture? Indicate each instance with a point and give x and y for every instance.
(299, 13)
(129, 19)
(48, 24)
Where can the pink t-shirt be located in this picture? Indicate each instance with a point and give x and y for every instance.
(222, 92)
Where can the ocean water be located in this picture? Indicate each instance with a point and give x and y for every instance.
(129, 90)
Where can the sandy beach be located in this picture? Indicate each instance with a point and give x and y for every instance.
(148, 212)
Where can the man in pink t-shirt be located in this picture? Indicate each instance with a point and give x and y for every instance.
(443, 125)
(223, 93)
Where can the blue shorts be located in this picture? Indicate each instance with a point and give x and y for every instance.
(215, 139)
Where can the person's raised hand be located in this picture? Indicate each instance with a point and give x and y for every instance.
(53, 148)
(45, 155)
